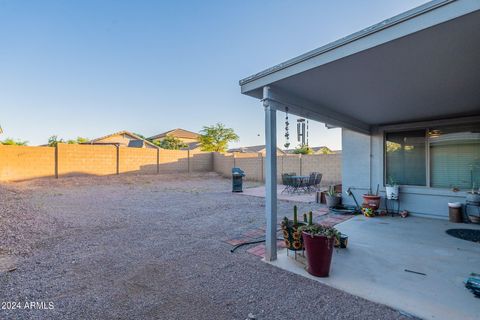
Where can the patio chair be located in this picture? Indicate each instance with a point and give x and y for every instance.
(318, 179)
(287, 181)
(310, 184)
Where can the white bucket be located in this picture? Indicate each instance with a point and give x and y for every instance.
(454, 205)
(392, 192)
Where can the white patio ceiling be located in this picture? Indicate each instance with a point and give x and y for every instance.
(421, 65)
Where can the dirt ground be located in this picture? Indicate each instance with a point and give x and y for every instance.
(148, 247)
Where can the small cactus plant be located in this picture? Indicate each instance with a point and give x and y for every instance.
(295, 215)
(293, 239)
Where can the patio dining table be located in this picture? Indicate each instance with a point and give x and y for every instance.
(299, 182)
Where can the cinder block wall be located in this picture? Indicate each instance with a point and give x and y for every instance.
(74, 159)
(201, 161)
(253, 164)
(141, 160)
(223, 164)
(173, 160)
(329, 165)
(23, 163)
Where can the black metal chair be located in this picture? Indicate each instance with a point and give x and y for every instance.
(287, 181)
(318, 179)
(310, 184)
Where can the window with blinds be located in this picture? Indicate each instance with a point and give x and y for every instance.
(452, 154)
(405, 157)
(455, 156)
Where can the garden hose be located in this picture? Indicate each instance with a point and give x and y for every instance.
(247, 243)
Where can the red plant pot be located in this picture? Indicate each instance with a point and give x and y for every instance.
(371, 201)
(319, 254)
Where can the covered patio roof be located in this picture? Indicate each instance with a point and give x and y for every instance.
(420, 65)
(423, 64)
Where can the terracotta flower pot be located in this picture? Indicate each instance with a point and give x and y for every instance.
(319, 254)
(371, 201)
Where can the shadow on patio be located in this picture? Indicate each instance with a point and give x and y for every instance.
(382, 249)
(297, 197)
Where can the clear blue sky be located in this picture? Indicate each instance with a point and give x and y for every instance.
(90, 68)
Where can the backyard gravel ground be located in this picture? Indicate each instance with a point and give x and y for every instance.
(149, 247)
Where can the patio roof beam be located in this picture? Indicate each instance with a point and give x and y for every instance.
(304, 108)
(270, 176)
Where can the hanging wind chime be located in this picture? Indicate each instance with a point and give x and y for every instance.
(287, 134)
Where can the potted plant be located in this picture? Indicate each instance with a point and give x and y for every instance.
(291, 235)
(473, 196)
(319, 241)
(332, 198)
(391, 189)
(371, 200)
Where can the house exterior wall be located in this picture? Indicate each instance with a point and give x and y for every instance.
(186, 140)
(363, 168)
(121, 139)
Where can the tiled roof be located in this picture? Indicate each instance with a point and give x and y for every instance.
(177, 133)
(136, 137)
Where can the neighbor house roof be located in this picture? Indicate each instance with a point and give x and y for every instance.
(192, 146)
(177, 133)
(141, 141)
(253, 149)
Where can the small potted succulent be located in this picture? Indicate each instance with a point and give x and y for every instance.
(473, 196)
(291, 235)
(391, 189)
(332, 198)
(319, 241)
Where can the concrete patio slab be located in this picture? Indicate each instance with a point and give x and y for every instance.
(298, 197)
(381, 249)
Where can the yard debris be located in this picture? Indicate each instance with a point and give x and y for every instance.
(473, 284)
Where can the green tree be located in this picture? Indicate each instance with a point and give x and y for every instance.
(54, 140)
(77, 140)
(13, 142)
(325, 150)
(171, 143)
(216, 137)
(303, 150)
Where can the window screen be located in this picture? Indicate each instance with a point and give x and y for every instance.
(406, 158)
(455, 156)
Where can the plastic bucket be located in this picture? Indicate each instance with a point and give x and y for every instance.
(455, 212)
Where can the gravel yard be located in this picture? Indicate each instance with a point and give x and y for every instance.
(149, 247)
